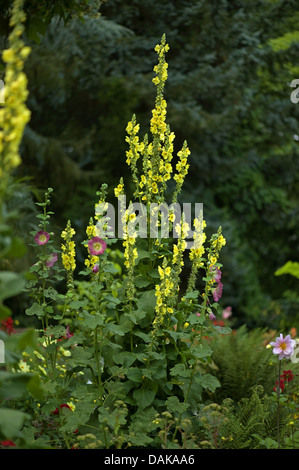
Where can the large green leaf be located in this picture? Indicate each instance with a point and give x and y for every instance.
(290, 267)
(11, 422)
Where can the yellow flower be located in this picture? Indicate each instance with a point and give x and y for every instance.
(24, 366)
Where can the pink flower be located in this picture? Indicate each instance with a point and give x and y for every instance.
(284, 347)
(226, 313)
(96, 246)
(217, 293)
(51, 260)
(68, 334)
(42, 237)
(216, 272)
(95, 269)
(212, 317)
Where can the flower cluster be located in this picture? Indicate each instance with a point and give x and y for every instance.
(156, 155)
(131, 253)
(217, 242)
(68, 252)
(164, 295)
(182, 168)
(92, 261)
(14, 115)
(7, 325)
(286, 376)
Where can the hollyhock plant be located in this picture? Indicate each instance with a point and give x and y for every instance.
(42, 237)
(96, 246)
(284, 347)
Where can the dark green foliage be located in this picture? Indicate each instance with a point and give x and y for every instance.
(250, 424)
(241, 361)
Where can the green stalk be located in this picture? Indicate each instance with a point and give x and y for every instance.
(97, 358)
(278, 411)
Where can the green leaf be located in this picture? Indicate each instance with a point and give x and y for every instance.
(35, 309)
(207, 381)
(125, 358)
(144, 397)
(180, 371)
(75, 304)
(174, 405)
(147, 301)
(290, 267)
(11, 422)
(223, 330)
(134, 374)
(141, 282)
(201, 351)
(11, 284)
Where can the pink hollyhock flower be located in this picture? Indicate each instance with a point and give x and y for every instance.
(42, 237)
(95, 269)
(212, 317)
(96, 246)
(216, 272)
(68, 334)
(64, 405)
(217, 293)
(51, 260)
(284, 347)
(226, 313)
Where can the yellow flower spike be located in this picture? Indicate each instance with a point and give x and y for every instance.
(68, 255)
(14, 114)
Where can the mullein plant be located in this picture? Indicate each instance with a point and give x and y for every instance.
(151, 183)
(136, 333)
(14, 116)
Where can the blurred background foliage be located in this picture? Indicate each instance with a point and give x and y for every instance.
(228, 95)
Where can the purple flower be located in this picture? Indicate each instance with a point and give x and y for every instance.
(95, 269)
(68, 334)
(42, 237)
(51, 260)
(217, 293)
(284, 347)
(212, 316)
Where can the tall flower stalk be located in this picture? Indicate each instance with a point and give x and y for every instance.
(14, 115)
(283, 347)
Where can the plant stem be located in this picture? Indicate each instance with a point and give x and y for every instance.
(278, 410)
